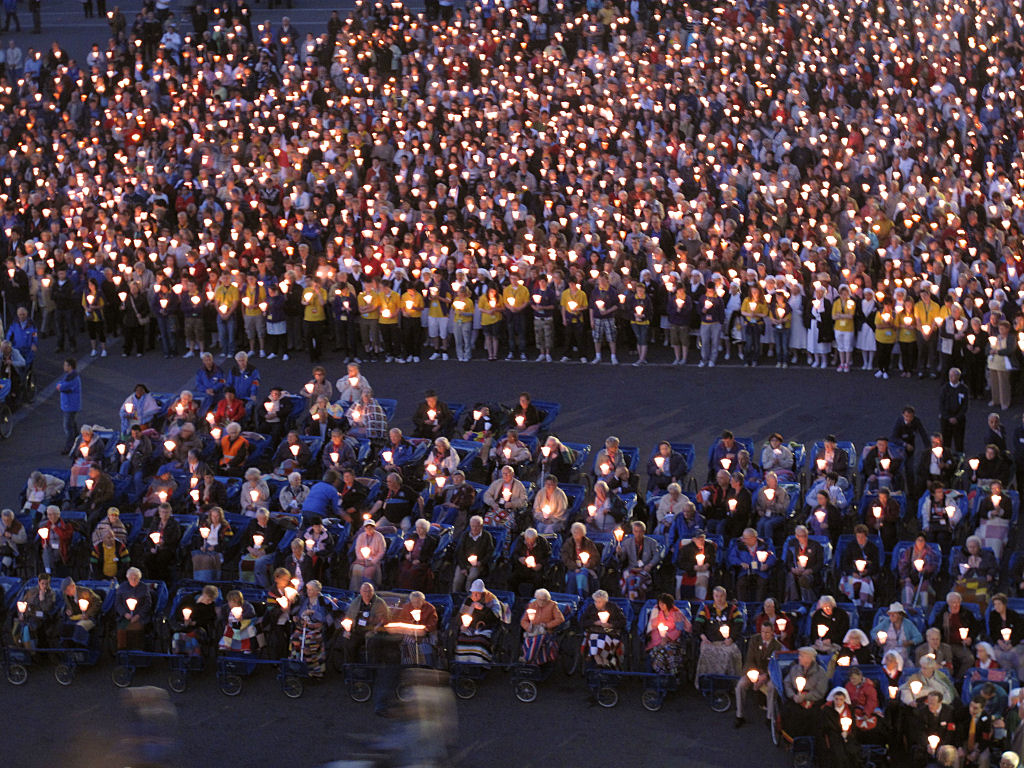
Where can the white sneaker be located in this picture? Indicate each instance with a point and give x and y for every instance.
(400, 360)
(188, 354)
(885, 375)
(711, 364)
(388, 358)
(547, 358)
(615, 360)
(522, 356)
(93, 353)
(878, 374)
(583, 359)
(565, 359)
(444, 355)
(285, 357)
(540, 358)
(416, 359)
(700, 364)
(263, 353)
(597, 358)
(434, 356)
(251, 353)
(272, 356)
(103, 353)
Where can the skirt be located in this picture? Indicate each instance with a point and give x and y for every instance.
(797, 334)
(815, 347)
(667, 658)
(308, 646)
(604, 650)
(866, 339)
(474, 647)
(718, 659)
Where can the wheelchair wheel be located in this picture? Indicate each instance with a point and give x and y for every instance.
(292, 686)
(64, 674)
(465, 688)
(360, 691)
(28, 391)
(404, 693)
(122, 676)
(525, 691)
(17, 674)
(776, 731)
(177, 681)
(721, 701)
(652, 700)
(6, 425)
(231, 685)
(607, 697)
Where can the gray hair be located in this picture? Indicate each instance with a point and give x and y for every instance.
(422, 525)
(542, 594)
(530, 533)
(133, 571)
(599, 593)
(476, 519)
(295, 476)
(578, 526)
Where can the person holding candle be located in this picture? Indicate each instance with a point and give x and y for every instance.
(1002, 360)
(603, 303)
(935, 648)
(273, 413)
(637, 556)
(665, 467)
(292, 454)
(855, 650)
(254, 492)
(99, 491)
(580, 558)
(87, 450)
(473, 554)
(759, 652)
(696, 561)
(34, 623)
(610, 465)
(771, 507)
(783, 624)
(880, 467)
(140, 408)
(606, 510)
(442, 460)
(932, 726)
(525, 416)
(837, 728)
(81, 608)
(819, 323)
(230, 408)
(895, 632)
(504, 499)
(666, 626)
(804, 688)
(350, 387)
(541, 617)
(752, 560)
(711, 310)
(433, 418)
(366, 418)
(844, 311)
(162, 488)
(397, 452)
(754, 313)
(780, 324)
(259, 548)
(639, 310)
(829, 625)
(777, 457)
(603, 624)
(954, 400)
(414, 571)
(55, 538)
(479, 617)
(550, 507)
(369, 548)
(133, 607)
(673, 506)
(395, 504)
(529, 557)
(575, 305)
(417, 622)
(556, 459)
(94, 307)
(719, 624)
(226, 299)
(193, 622)
(210, 382)
(859, 564)
(804, 561)
(311, 617)
(215, 538)
(240, 626)
(183, 411)
(1006, 630)
(511, 451)
(825, 518)
(960, 629)
(160, 541)
(992, 465)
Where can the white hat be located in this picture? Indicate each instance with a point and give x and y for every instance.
(477, 586)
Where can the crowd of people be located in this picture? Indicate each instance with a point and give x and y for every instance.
(834, 185)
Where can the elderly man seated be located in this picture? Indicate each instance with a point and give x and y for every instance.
(928, 679)
(934, 648)
(610, 465)
(804, 689)
(529, 557)
(804, 562)
(960, 630)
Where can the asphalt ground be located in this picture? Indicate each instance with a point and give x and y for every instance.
(44, 724)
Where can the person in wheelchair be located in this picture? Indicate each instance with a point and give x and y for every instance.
(13, 537)
(480, 617)
(33, 624)
(580, 557)
(81, 609)
(666, 626)
(193, 623)
(312, 617)
(473, 554)
(604, 626)
(12, 367)
(759, 653)
(133, 606)
(719, 624)
(240, 629)
(804, 690)
(418, 645)
(541, 617)
(364, 618)
(530, 555)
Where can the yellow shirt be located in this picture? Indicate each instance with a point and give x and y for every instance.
(314, 297)
(390, 305)
(843, 307)
(369, 305)
(412, 303)
(515, 297)
(489, 314)
(463, 309)
(929, 315)
(905, 322)
(574, 304)
(225, 297)
(256, 295)
(437, 306)
(885, 330)
(753, 311)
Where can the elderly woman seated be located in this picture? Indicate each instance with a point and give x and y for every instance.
(291, 455)
(480, 615)
(666, 626)
(311, 617)
(13, 538)
(417, 622)
(241, 627)
(184, 411)
(606, 511)
(550, 507)
(133, 607)
(896, 632)
(414, 565)
(610, 465)
(976, 569)
(510, 450)
(33, 624)
(1006, 628)
(668, 507)
(555, 458)
(777, 457)
(604, 628)
(368, 553)
(994, 513)
(719, 624)
(254, 492)
(538, 622)
(856, 649)
(442, 460)
(581, 558)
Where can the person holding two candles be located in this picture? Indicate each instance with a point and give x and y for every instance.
(753, 560)
(133, 607)
(541, 616)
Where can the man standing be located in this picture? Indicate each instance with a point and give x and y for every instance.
(33, 6)
(953, 402)
(70, 388)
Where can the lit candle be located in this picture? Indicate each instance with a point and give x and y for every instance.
(466, 620)
(131, 602)
(933, 742)
(44, 533)
(659, 461)
(584, 557)
(861, 564)
(1006, 632)
(531, 614)
(441, 479)
(780, 623)
(822, 630)
(762, 556)
(769, 493)
(800, 682)
(724, 629)
(169, 445)
(186, 613)
(699, 557)
(531, 562)
(409, 545)
(472, 560)
(295, 450)
(237, 612)
(416, 613)
(919, 564)
(387, 456)
(602, 616)
(83, 604)
(845, 722)
(882, 636)
(257, 540)
(963, 633)
(155, 536)
(662, 627)
(204, 531)
(821, 464)
(801, 560)
(22, 606)
(346, 624)
(974, 464)
(619, 533)
(726, 462)
(365, 552)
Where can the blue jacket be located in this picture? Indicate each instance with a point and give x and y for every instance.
(23, 338)
(247, 385)
(209, 380)
(322, 500)
(70, 387)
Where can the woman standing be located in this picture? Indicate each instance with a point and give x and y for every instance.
(1000, 365)
(781, 318)
(797, 326)
(310, 618)
(754, 310)
(844, 309)
(885, 337)
(820, 333)
(867, 344)
(93, 306)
